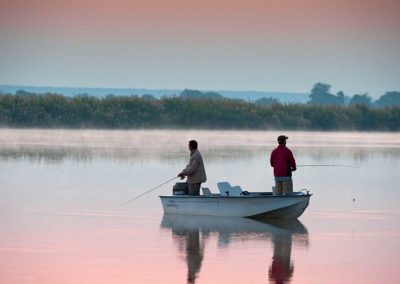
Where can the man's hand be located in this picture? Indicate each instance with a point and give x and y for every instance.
(181, 175)
(293, 169)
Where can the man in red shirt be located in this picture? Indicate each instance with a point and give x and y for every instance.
(284, 164)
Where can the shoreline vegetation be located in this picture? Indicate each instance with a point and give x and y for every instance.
(197, 110)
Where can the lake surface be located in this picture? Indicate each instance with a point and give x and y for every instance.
(60, 219)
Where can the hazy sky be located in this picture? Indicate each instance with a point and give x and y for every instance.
(268, 45)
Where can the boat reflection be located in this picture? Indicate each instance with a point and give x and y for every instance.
(192, 232)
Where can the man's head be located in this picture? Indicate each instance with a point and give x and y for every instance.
(192, 145)
(282, 139)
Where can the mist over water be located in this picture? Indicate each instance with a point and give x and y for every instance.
(60, 221)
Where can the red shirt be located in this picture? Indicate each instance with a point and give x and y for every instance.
(283, 161)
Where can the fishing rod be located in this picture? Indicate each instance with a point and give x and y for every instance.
(154, 188)
(345, 166)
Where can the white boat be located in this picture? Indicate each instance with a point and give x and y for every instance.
(233, 202)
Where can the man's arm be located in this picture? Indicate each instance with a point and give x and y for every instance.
(292, 162)
(271, 159)
(191, 168)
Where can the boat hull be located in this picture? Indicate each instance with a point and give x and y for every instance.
(253, 206)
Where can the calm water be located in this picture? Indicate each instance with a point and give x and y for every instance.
(60, 221)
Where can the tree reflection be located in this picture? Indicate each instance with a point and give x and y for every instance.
(191, 233)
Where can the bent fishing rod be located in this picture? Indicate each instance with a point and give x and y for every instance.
(146, 192)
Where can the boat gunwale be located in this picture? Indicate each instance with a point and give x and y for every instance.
(243, 196)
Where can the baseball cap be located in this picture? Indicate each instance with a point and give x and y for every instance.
(282, 138)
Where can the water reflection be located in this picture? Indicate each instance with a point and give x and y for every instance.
(54, 146)
(191, 234)
(58, 154)
(281, 268)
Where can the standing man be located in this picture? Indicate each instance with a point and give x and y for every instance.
(194, 171)
(284, 164)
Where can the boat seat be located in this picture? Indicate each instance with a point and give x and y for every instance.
(235, 191)
(226, 189)
(223, 187)
(206, 191)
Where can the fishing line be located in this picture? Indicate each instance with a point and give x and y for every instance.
(345, 166)
(154, 188)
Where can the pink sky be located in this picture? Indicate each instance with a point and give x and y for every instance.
(279, 45)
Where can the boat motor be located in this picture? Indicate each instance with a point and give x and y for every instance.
(180, 188)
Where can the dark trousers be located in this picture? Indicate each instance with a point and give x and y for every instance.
(194, 188)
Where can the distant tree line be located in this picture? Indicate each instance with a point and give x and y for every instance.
(195, 111)
(321, 95)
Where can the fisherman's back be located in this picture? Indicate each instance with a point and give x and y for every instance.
(196, 171)
(282, 160)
